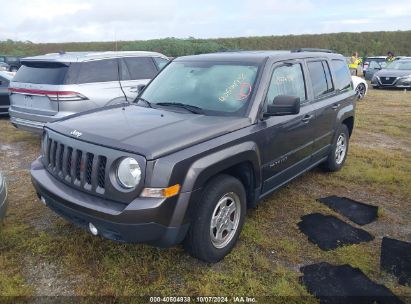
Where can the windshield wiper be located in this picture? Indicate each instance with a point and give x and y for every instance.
(191, 108)
(142, 99)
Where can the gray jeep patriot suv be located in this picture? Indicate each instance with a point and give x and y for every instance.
(209, 137)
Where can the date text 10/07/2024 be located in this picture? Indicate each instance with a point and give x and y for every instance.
(199, 299)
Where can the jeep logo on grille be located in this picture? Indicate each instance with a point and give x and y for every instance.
(76, 133)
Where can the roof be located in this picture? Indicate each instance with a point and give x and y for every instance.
(256, 56)
(89, 56)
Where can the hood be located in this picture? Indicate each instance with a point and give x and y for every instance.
(392, 73)
(146, 131)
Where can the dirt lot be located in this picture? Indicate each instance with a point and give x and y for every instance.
(41, 254)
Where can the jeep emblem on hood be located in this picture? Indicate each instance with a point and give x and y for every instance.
(76, 133)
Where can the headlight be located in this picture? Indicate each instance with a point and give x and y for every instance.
(128, 173)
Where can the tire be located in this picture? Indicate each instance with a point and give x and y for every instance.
(335, 162)
(201, 241)
(360, 90)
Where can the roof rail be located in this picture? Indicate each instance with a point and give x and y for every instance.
(298, 50)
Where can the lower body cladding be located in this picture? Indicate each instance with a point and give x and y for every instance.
(141, 221)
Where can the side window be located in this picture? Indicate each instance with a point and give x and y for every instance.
(98, 71)
(140, 68)
(287, 80)
(160, 62)
(342, 74)
(320, 77)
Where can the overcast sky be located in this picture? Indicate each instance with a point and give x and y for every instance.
(94, 20)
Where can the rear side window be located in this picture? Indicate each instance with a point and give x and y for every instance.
(287, 80)
(342, 75)
(41, 73)
(98, 71)
(160, 62)
(140, 68)
(320, 77)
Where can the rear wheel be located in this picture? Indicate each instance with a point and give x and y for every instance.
(338, 153)
(217, 219)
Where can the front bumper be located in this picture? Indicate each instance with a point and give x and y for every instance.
(141, 221)
(397, 83)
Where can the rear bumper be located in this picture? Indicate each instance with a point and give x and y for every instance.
(32, 122)
(138, 222)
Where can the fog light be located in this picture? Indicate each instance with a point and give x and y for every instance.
(93, 229)
(43, 200)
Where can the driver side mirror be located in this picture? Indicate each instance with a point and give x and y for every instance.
(283, 105)
(140, 88)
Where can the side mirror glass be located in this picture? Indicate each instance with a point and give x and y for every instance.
(283, 105)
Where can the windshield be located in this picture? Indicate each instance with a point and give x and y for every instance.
(399, 65)
(218, 88)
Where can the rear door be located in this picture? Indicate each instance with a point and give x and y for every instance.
(328, 97)
(29, 85)
(135, 71)
(288, 139)
(98, 80)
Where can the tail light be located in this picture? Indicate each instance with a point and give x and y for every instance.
(52, 95)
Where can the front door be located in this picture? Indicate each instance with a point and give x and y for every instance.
(288, 140)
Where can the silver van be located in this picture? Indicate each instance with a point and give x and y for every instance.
(53, 86)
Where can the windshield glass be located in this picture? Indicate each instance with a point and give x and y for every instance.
(218, 88)
(399, 65)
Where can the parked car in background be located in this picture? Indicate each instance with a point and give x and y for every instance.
(5, 78)
(3, 197)
(373, 64)
(360, 86)
(53, 86)
(12, 61)
(396, 74)
(210, 136)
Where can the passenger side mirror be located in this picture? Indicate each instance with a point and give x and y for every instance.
(283, 105)
(140, 88)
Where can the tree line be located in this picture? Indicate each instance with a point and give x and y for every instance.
(365, 43)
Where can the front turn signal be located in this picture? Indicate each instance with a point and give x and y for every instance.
(161, 192)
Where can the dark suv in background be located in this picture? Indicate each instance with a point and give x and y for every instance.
(12, 61)
(210, 136)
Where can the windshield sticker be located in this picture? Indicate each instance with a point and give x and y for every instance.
(236, 83)
(245, 91)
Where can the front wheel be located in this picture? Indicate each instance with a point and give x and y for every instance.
(339, 151)
(217, 220)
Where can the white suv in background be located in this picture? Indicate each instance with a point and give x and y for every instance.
(53, 86)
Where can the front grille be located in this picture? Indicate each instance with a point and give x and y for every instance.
(387, 80)
(81, 168)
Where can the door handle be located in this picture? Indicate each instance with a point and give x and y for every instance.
(335, 106)
(307, 118)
